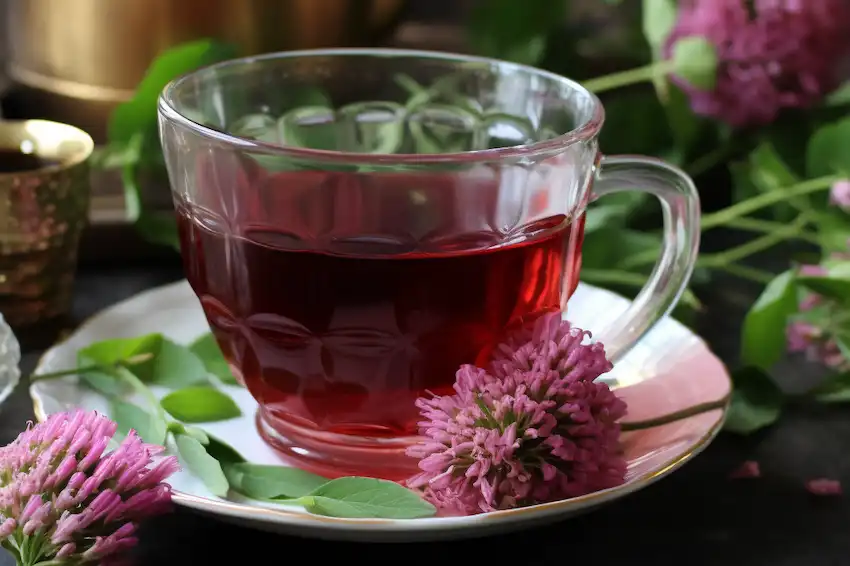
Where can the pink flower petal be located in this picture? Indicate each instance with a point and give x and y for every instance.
(534, 426)
(58, 465)
(824, 486)
(749, 469)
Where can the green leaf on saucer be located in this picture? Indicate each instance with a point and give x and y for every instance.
(198, 434)
(356, 497)
(271, 482)
(828, 150)
(194, 456)
(206, 348)
(176, 366)
(763, 334)
(695, 60)
(834, 390)
(756, 402)
(222, 451)
(151, 428)
(104, 382)
(200, 405)
(109, 353)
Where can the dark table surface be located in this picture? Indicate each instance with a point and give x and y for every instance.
(696, 516)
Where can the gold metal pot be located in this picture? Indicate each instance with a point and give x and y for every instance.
(42, 214)
(80, 58)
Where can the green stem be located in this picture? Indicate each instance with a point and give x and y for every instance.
(143, 390)
(677, 416)
(632, 76)
(305, 501)
(745, 272)
(708, 160)
(769, 227)
(723, 217)
(118, 370)
(104, 368)
(727, 215)
(67, 372)
(754, 246)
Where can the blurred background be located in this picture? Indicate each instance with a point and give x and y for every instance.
(75, 62)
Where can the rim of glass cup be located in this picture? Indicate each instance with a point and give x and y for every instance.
(584, 131)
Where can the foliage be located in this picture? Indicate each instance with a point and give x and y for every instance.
(134, 144)
(780, 175)
(133, 365)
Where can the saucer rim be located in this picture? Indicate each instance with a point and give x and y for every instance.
(301, 520)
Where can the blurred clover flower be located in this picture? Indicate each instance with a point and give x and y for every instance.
(772, 55)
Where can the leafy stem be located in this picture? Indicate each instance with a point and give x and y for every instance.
(676, 416)
(746, 272)
(723, 217)
(731, 214)
(770, 226)
(105, 368)
(144, 391)
(780, 234)
(632, 76)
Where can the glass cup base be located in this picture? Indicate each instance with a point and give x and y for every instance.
(336, 455)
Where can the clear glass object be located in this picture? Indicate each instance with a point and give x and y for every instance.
(359, 223)
(10, 360)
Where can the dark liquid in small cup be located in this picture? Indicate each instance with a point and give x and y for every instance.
(15, 161)
(343, 339)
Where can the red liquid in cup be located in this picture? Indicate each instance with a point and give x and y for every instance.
(339, 336)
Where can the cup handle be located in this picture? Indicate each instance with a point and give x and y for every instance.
(679, 247)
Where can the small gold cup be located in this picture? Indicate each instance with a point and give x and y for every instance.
(43, 210)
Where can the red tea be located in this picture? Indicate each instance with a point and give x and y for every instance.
(339, 336)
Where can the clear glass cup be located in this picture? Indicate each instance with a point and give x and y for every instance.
(357, 223)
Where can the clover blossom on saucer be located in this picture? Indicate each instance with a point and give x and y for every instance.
(65, 499)
(773, 54)
(533, 427)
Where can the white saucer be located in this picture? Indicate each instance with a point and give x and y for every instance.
(670, 369)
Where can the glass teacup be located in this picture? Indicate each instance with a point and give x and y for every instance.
(359, 223)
